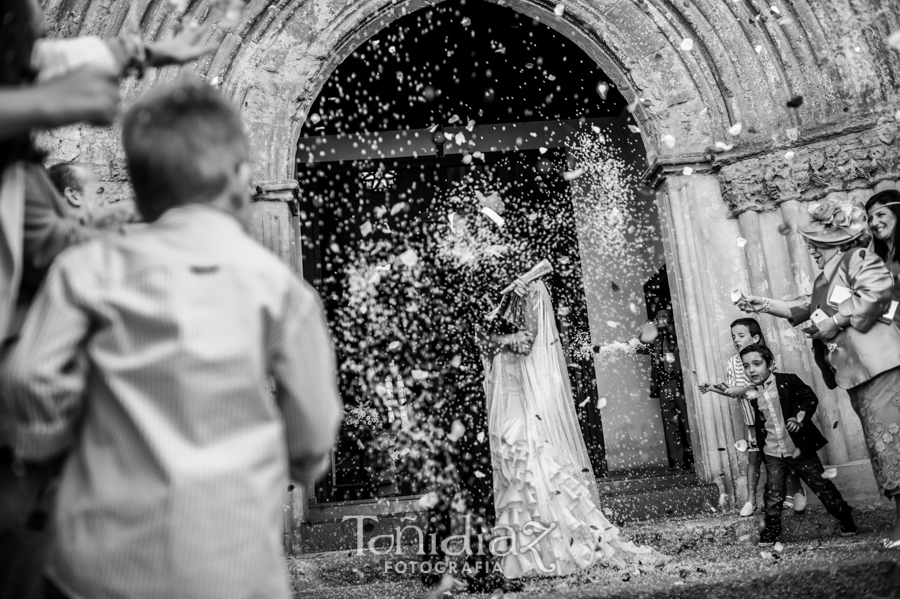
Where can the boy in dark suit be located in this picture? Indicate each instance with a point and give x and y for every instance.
(784, 405)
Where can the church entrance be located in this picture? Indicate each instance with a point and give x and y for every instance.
(470, 93)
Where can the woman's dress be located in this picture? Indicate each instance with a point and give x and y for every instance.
(545, 492)
(877, 403)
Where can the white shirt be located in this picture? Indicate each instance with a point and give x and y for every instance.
(778, 439)
(147, 358)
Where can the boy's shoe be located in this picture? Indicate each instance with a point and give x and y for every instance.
(800, 503)
(747, 510)
(848, 528)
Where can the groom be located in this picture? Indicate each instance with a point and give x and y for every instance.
(468, 336)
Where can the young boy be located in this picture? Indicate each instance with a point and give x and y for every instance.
(784, 406)
(145, 357)
(744, 332)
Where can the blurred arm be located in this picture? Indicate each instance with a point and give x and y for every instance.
(303, 365)
(42, 379)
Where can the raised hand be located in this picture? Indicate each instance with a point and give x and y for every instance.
(182, 48)
(751, 303)
(84, 95)
(521, 287)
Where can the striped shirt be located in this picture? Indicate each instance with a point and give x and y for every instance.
(735, 376)
(147, 358)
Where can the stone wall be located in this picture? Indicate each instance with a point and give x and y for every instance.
(745, 62)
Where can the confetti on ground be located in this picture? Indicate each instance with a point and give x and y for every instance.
(741, 242)
(559, 10)
(688, 171)
(687, 44)
(789, 155)
(735, 129)
(784, 229)
(668, 140)
(829, 473)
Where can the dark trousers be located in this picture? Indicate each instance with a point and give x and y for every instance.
(674, 414)
(810, 469)
(24, 535)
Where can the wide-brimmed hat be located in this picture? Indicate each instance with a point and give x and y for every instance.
(833, 221)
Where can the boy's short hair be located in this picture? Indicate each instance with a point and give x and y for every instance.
(181, 140)
(762, 350)
(752, 327)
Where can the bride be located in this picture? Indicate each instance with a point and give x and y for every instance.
(549, 521)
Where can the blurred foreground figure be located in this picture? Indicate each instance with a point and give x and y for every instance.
(79, 185)
(145, 359)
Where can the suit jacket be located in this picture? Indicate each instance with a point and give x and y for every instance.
(661, 370)
(794, 396)
(868, 346)
(47, 231)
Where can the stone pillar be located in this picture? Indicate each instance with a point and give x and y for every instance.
(271, 223)
(271, 218)
(706, 263)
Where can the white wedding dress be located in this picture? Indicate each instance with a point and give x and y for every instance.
(542, 474)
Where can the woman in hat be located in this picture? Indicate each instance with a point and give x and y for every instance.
(855, 347)
(883, 210)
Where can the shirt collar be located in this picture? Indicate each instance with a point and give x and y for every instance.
(768, 384)
(194, 213)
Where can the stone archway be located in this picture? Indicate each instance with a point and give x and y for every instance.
(744, 62)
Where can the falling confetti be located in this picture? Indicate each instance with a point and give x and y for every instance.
(365, 229)
(601, 403)
(572, 175)
(778, 547)
(736, 296)
(688, 171)
(409, 258)
(457, 431)
(559, 10)
(479, 474)
(602, 89)
(428, 500)
(893, 40)
(829, 473)
(668, 140)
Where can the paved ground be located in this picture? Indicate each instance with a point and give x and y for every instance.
(711, 558)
